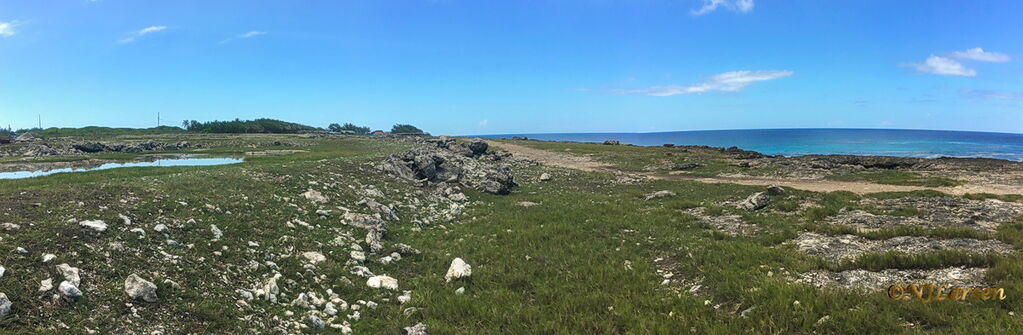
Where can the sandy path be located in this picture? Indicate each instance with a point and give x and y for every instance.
(572, 161)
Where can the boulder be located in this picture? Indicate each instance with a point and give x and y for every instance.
(418, 329)
(5, 306)
(478, 147)
(97, 225)
(382, 282)
(499, 180)
(545, 177)
(775, 190)
(458, 269)
(756, 201)
(612, 142)
(69, 290)
(138, 288)
(659, 194)
(89, 146)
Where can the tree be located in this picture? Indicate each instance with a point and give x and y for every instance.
(355, 129)
(334, 128)
(406, 129)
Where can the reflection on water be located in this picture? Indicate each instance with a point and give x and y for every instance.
(187, 161)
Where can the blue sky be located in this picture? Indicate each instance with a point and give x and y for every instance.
(492, 67)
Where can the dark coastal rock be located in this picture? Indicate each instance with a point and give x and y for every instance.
(89, 146)
(685, 166)
(478, 147)
(499, 180)
(612, 142)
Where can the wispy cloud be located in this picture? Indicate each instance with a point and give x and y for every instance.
(980, 55)
(484, 123)
(741, 6)
(943, 66)
(7, 28)
(724, 82)
(142, 32)
(249, 34)
(989, 94)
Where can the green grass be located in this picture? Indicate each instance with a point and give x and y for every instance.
(556, 268)
(894, 177)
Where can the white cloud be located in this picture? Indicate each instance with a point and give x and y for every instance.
(742, 6)
(484, 123)
(250, 34)
(943, 66)
(725, 82)
(253, 33)
(142, 32)
(979, 54)
(7, 28)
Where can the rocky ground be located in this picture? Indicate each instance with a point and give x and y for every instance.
(423, 235)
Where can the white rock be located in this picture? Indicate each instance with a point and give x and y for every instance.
(70, 274)
(329, 309)
(69, 289)
(160, 228)
(382, 282)
(314, 257)
(5, 306)
(458, 269)
(314, 195)
(316, 322)
(125, 219)
(460, 291)
(358, 255)
(2, 271)
(406, 297)
(97, 225)
(217, 234)
(138, 288)
(46, 285)
(48, 257)
(545, 177)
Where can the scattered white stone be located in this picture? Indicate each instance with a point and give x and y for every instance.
(460, 291)
(314, 257)
(418, 329)
(316, 322)
(125, 219)
(382, 282)
(5, 306)
(138, 288)
(160, 228)
(48, 257)
(545, 177)
(458, 269)
(329, 309)
(97, 225)
(46, 285)
(2, 271)
(314, 195)
(217, 234)
(406, 297)
(358, 255)
(69, 289)
(21, 250)
(70, 274)
(9, 226)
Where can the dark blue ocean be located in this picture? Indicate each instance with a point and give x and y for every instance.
(797, 142)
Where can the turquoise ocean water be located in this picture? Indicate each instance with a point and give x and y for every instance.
(796, 142)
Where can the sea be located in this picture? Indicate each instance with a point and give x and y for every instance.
(798, 142)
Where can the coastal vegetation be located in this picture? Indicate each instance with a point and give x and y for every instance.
(567, 251)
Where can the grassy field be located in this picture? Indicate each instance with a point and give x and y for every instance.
(590, 258)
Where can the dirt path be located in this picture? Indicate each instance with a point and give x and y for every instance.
(584, 163)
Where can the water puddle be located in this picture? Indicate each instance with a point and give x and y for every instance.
(163, 162)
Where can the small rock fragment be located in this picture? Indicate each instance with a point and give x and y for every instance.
(138, 288)
(382, 282)
(458, 269)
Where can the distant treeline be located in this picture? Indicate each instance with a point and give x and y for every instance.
(257, 126)
(248, 127)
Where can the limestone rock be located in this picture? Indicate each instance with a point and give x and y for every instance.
(382, 282)
(138, 288)
(458, 269)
